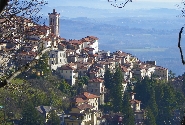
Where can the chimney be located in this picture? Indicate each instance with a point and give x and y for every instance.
(53, 11)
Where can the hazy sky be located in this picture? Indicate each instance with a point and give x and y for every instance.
(103, 4)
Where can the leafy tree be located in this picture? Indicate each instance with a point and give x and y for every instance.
(84, 79)
(43, 65)
(30, 116)
(81, 81)
(64, 87)
(150, 118)
(53, 118)
(127, 110)
(171, 75)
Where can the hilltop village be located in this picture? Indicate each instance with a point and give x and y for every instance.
(71, 59)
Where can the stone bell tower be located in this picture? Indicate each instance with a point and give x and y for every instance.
(54, 22)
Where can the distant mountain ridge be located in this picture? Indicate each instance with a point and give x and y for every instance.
(127, 30)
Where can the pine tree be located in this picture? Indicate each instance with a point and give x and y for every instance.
(150, 118)
(53, 118)
(127, 110)
(30, 116)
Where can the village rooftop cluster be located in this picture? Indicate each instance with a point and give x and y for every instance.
(73, 58)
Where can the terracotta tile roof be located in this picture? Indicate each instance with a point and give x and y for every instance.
(69, 66)
(77, 42)
(78, 100)
(96, 80)
(89, 95)
(89, 39)
(30, 53)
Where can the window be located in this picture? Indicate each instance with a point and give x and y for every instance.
(70, 77)
(70, 71)
(60, 60)
(66, 71)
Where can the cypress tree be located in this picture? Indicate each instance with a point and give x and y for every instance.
(152, 103)
(127, 110)
(108, 79)
(117, 90)
(150, 118)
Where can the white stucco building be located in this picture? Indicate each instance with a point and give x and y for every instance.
(69, 73)
(57, 58)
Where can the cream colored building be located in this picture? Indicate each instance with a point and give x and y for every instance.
(161, 73)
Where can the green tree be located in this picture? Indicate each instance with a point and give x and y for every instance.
(152, 103)
(171, 75)
(53, 118)
(183, 84)
(109, 84)
(30, 116)
(43, 65)
(81, 81)
(127, 110)
(143, 89)
(108, 79)
(150, 118)
(117, 90)
(64, 87)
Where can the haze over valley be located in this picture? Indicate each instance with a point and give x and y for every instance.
(149, 34)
